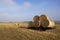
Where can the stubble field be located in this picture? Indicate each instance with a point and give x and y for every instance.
(12, 31)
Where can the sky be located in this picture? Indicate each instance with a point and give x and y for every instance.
(25, 10)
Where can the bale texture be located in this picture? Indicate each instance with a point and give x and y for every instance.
(48, 23)
(43, 17)
(45, 23)
(43, 20)
(36, 24)
(36, 18)
(36, 21)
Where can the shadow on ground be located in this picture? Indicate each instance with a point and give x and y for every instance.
(41, 28)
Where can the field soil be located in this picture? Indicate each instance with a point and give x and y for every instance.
(17, 33)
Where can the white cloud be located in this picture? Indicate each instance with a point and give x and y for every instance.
(8, 5)
(25, 5)
(11, 5)
(7, 2)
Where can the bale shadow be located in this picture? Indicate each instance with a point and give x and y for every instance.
(41, 28)
(37, 28)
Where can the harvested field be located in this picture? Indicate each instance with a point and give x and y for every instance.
(17, 33)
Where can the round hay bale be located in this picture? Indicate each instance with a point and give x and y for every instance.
(45, 23)
(48, 23)
(36, 18)
(36, 21)
(43, 17)
(36, 24)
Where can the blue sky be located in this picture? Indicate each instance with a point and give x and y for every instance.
(25, 10)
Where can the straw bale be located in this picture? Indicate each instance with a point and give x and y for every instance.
(51, 24)
(36, 24)
(43, 17)
(36, 18)
(48, 23)
(45, 23)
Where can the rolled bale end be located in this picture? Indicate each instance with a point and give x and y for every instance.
(43, 20)
(48, 24)
(36, 18)
(43, 17)
(36, 24)
(36, 21)
(45, 23)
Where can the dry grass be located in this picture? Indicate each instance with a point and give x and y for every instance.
(12, 32)
(14, 25)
